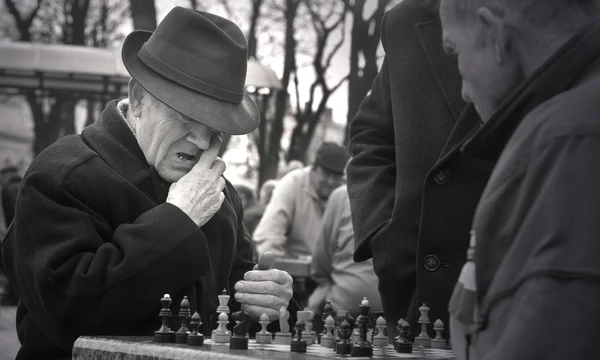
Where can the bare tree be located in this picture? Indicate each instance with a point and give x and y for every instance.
(143, 14)
(363, 46)
(326, 18)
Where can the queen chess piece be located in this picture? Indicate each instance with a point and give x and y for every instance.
(362, 347)
(423, 338)
(165, 334)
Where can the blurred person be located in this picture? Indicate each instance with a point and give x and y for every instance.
(291, 220)
(293, 165)
(136, 206)
(266, 191)
(412, 192)
(531, 287)
(246, 195)
(339, 279)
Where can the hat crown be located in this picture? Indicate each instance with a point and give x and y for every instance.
(201, 51)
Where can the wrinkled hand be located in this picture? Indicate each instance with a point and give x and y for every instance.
(199, 193)
(264, 292)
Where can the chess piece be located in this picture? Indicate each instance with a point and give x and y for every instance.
(341, 315)
(344, 347)
(438, 342)
(423, 338)
(221, 335)
(327, 311)
(303, 316)
(239, 339)
(363, 347)
(222, 308)
(327, 340)
(403, 344)
(184, 313)
(165, 334)
(374, 316)
(309, 328)
(263, 336)
(283, 337)
(195, 338)
(380, 339)
(298, 344)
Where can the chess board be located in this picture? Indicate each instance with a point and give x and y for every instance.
(143, 348)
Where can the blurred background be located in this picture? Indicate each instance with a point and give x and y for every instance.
(311, 62)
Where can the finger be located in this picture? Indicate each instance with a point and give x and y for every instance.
(219, 166)
(278, 276)
(221, 183)
(266, 261)
(221, 198)
(256, 311)
(269, 301)
(209, 155)
(259, 287)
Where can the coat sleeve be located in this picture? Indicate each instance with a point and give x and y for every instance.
(272, 230)
(76, 276)
(372, 171)
(558, 288)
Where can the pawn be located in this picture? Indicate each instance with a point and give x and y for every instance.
(344, 347)
(438, 342)
(298, 344)
(380, 339)
(221, 334)
(328, 340)
(195, 338)
(184, 313)
(263, 336)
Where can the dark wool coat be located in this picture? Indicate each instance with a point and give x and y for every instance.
(412, 192)
(94, 246)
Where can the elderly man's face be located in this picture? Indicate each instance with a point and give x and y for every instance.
(171, 142)
(489, 71)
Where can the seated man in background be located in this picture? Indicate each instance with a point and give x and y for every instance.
(290, 224)
(136, 207)
(339, 279)
(246, 195)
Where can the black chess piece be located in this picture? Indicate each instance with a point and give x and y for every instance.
(298, 345)
(184, 313)
(195, 338)
(344, 347)
(239, 339)
(327, 310)
(403, 344)
(165, 334)
(363, 347)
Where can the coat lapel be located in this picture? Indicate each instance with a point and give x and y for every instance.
(445, 71)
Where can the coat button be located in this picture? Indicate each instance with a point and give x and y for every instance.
(441, 177)
(431, 263)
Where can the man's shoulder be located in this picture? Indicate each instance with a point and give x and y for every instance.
(411, 12)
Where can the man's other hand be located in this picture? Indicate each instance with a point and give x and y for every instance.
(264, 292)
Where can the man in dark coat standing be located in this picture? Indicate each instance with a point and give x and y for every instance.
(136, 206)
(412, 192)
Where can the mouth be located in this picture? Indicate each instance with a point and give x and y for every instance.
(185, 157)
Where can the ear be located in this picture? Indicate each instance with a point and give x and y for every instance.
(136, 94)
(494, 25)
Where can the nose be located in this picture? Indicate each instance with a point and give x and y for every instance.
(199, 135)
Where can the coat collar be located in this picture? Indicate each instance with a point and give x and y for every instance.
(114, 142)
(556, 75)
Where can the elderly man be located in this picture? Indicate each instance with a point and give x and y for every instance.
(532, 285)
(412, 192)
(290, 223)
(136, 207)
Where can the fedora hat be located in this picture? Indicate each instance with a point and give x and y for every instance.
(195, 63)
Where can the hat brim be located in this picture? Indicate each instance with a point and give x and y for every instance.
(223, 116)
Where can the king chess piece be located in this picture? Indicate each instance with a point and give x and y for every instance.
(283, 337)
(222, 308)
(423, 338)
(184, 313)
(362, 347)
(327, 340)
(298, 344)
(239, 339)
(403, 344)
(263, 336)
(195, 338)
(344, 347)
(221, 334)
(165, 334)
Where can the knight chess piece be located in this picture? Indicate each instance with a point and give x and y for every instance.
(363, 347)
(195, 338)
(263, 336)
(283, 337)
(328, 340)
(298, 344)
(344, 347)
(403, 344)
(423, 338)
(165, 334)
(239, 339)
(184, 313)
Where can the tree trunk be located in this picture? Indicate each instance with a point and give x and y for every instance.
(254, 16)
(143, 14)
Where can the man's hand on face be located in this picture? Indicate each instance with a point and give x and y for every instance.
(264, 292)
(199, 193)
